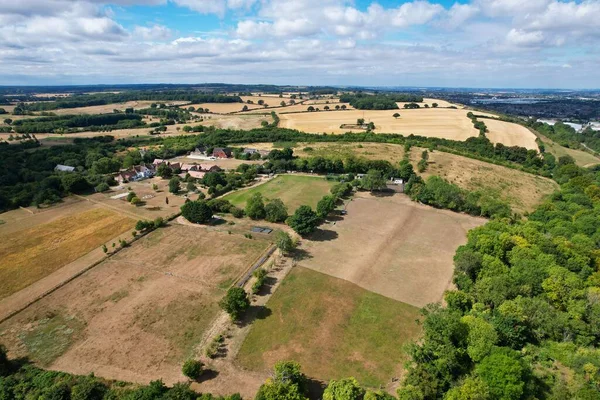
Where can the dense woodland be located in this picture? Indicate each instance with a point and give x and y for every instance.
(71, 123)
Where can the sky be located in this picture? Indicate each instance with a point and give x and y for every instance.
(423, 43)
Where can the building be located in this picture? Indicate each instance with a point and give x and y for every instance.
(197, 174)
(209, 168)
(221, 152)
(64, 168)
(136, 173)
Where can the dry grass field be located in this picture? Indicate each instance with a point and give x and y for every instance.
(30, 254)
(510, 134)
(391, 246)
(333, 328)
(139, 315)
(522, 190)
(582, 158)
(446, 123)
(104, 109)
(224, 108)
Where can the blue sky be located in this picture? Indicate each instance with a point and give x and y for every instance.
(468, 43)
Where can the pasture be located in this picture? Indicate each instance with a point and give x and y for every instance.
(34, 246)
(391, 246)
(293, 190)
(333, 328)
(138, 315)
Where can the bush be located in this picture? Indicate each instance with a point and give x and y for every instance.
(192, 369)
(276, 211)
(197, 212)
(235, 302)
(103, 187)
(237, 212)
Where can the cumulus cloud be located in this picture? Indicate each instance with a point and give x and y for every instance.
(154, 32)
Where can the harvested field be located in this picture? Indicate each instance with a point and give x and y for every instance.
(333, 328)
(140, 314)
(446, 123)
(293, 190)
(522, 190)
(223, 163)
(510, 134)
(30, 254)
(391, 246)
(224, 108)
(106, 108)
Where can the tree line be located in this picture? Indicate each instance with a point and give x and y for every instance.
(363, 101)
(68, 123)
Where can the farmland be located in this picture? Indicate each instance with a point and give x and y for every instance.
(30, 254)
(384, 245)
(138, 315)
(333, 328)
(510, 134)
(293, 190)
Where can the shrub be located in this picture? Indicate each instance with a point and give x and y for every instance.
(192, 369)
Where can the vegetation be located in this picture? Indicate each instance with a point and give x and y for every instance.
(255, 207)
(524, 320)
(304, 220)
(192, 369)
(276, 211)
(235, 302)
(74, 123)
(284, 242)
(362, 101)
(197, 212)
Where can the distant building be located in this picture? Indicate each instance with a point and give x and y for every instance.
(221, 152)
(64, 168)
(136, 173)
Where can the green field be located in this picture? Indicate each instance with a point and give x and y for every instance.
(333, 328)
(293, 190)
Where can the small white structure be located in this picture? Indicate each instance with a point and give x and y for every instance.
(64, 168)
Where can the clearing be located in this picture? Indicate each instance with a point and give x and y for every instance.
(333, 328)
(138, 315)
(391, 246)
(293, 190)
(30, 252)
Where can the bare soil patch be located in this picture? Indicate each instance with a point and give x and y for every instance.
(140, 314)
(391, 246)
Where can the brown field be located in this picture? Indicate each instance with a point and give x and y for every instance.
(140, 314)
(522, 190)
(391, 246)
(106, 108)
(510, 134)
(446, 123)
(224, 163)
(224, 108)
(31, 254)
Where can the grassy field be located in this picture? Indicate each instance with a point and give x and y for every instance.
(33, 253)
(582, 158)
(138, 315)
(293, 190)
(333, 328)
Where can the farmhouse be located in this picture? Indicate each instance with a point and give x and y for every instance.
(209, 168)
(136, 173)
(64, 168)
(221, 152)
(197, 174)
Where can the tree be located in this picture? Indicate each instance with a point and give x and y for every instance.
(373, 180)
(344, 107)
(8, 121)
(272, 390)
(4, 362)
(472, 388)
(396, 115)
(191, 187)
(360, 121)
(197, 212)
(304, 220)
(192, 369)
(136, 201)
(284, 242)
(276, 211)
(434, 105)
(245, 108)
(310, 108)
(88, 389)
(326, 205)
(174, 186)
(282, 104)
(503, 373)
(164, 171)
(289, 372)
(406, 170)
(255, 207)
(481, 338)
(235, 302)
(326, 108)
(343, 389)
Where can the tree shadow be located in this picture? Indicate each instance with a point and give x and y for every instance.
(322, 235)
(207, 375)
(217, 222)
(383, 193)
(315, 388)
(267, 286)
(253, 313)
(300, 254)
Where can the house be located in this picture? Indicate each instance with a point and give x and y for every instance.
(209, 168)
(221, 152)
(199, 151)
(136, 173)
(64, 168)
(159, 161)
(250, 151)
(197, 174)
(189, 167)
(125, 176)
(174, 166)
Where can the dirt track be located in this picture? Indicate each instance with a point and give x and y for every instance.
(391, 246)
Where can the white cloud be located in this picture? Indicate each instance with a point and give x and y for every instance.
(154, 32)
(522, 38)
(415, 13)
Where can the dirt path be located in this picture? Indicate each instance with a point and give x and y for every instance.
(224, 375)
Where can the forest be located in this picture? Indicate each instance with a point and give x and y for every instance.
(69, 123)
